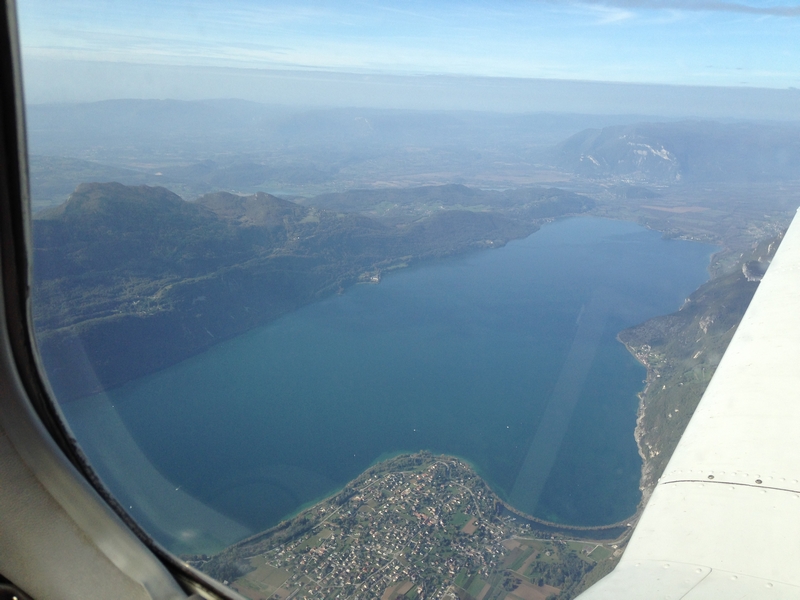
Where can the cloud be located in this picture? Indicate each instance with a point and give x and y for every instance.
(611, 14)
(778, 10)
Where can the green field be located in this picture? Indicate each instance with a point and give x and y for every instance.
(460, 519)
(600, 553)
(524, 555)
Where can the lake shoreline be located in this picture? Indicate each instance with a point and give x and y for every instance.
(349, 373)
(612, 532)
(645, 487)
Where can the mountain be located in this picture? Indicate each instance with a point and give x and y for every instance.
(687, 151)
(131, 279)
(197, 147)
(195, 130)
(401, 205)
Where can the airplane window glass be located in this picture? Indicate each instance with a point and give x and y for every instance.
(396, 299)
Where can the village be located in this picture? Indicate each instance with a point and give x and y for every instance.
(414, 527)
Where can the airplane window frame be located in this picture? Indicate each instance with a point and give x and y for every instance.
(36, 400)
(29, 414)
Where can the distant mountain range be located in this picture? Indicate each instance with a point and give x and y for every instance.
(684, 152)
(194, 148)
(131, 279)
(197, 147)
(401, 205)
(194, 130)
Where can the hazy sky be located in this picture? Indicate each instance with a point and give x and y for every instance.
(682, 42)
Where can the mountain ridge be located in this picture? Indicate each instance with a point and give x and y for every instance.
(685, 151)
(129, 280)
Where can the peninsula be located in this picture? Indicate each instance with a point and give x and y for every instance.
(415, 526)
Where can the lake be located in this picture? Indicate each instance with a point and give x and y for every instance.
(507, 358)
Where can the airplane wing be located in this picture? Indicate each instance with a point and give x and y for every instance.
(724, 519)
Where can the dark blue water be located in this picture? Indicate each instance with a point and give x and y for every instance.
(505, 357)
